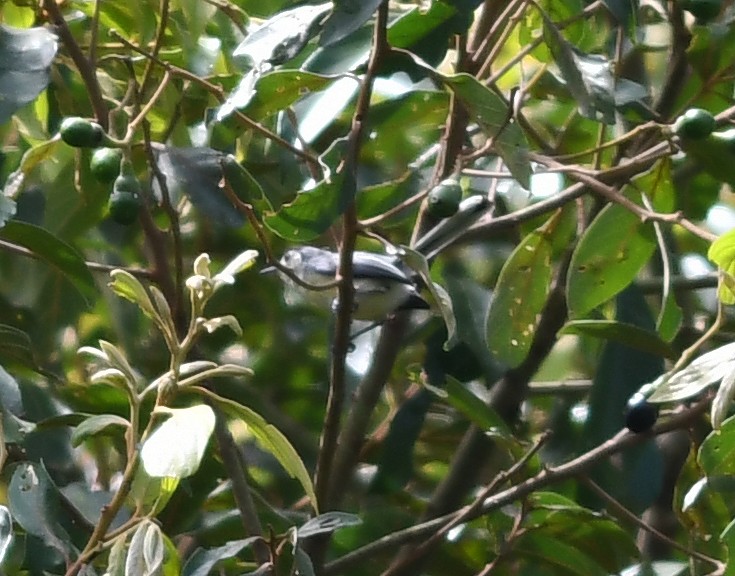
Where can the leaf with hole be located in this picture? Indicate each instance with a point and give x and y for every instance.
(519, 297)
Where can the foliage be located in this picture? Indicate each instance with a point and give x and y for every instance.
(555, 176)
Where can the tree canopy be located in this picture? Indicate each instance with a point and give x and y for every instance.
(555, 178)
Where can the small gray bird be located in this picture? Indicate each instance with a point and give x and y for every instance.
(381, 287)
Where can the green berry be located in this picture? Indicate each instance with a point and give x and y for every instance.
(444, 198)
(124, 201)
(694, 124)
(81, 133)
(105, 164)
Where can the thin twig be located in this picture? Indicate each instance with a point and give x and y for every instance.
(86, 71)
(547, 477)
(626, 514)
(341, 343)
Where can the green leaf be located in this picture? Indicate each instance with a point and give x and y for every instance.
(197, 173)
(176, 448)
(95, 425)
(608, 257)
(628, 334)
(270, 438)
(35, 504)
(492, 113)
(465, 401)
(588, 77)
(346, 17)
(281, 37)
(723, 399)
(202, 561)
(722, 253)
(520, 295)
(55, 252)
(15, 347)
(32, 158)
(129, 287)
(716, 455)
(314, 210)
(541, 549)
(25, 57)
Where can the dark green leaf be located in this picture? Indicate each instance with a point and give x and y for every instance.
(628, 334)
(202, 561)
(197, 172)
(53, 251)
(25, 57)
(555, 552)
(15, 347)
(314, 210)
(479, 412)
(347, 16)
(519, 297)
(35, 504)
(493, 114)
(95, 425)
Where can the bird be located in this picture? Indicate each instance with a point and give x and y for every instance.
(382, 287)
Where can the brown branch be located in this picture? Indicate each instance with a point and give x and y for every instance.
(86, 71)
(341, 342)
(547, 477)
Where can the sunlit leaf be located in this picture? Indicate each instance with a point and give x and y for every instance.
(722, 253)
(704, 371)
(283, 36)
(327, 522)
(176, 447)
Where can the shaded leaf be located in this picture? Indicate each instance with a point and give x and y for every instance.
(347, 16)
(25, 57)
(202, 561)
(628, 334)
(723, 400)
(35, 505)
(63, 257)
(313, 211)
(556, 552)
(480, 413)
(15, 347)
(270, 438)
(588, 77)
(716, 455)
(197, 172)
(96, 425)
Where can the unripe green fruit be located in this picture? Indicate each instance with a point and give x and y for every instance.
(444, 198)
(124, 201)
(105, 164)
(703, 10)
(694, 124)
(81, 133)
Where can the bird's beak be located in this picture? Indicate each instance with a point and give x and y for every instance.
(268, 270)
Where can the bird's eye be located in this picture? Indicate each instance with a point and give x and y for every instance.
(291, 259)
